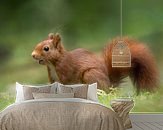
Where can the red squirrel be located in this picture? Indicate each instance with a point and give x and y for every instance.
(83, 66)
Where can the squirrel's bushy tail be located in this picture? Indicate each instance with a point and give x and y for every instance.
(143, 71)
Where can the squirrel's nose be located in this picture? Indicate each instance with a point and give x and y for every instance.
(33, 54)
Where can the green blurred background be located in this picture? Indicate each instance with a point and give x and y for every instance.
(82, 23)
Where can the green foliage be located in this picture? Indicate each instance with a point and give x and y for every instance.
(145, 102)
(105, 98)
(5, 100)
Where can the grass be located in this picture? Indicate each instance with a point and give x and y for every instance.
(145, 102)
(5, 100)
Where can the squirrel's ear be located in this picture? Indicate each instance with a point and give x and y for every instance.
(51, 36)
(57, 41)
(57, 38)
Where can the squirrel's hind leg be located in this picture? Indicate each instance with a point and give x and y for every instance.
(95, 75)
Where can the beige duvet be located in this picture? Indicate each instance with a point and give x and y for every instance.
(59, 114)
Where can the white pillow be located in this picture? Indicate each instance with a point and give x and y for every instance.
(19, 93)
(92, 92)
(21, 90)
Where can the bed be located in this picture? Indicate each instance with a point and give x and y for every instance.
(64, 113)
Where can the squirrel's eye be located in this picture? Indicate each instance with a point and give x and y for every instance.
(46, 48)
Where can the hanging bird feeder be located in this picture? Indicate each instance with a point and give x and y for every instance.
(121, 55)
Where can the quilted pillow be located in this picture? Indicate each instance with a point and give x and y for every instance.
(80, 91)
(24, 92)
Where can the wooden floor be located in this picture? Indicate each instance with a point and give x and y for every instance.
(147, 121)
